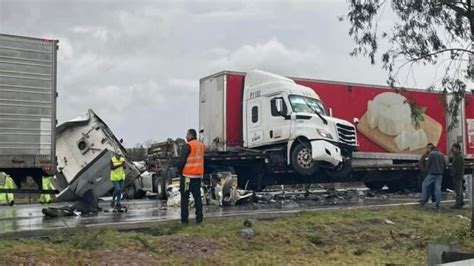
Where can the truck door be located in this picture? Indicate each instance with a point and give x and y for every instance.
(279, 123)
(255, 123)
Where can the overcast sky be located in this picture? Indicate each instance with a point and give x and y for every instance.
(138, 63)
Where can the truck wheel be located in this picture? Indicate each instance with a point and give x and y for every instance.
(374, 185)
(171, 173)
(301, 159)
(342, 170)
(396, 185)
(160, 185)
(130, 191)
(161, 188)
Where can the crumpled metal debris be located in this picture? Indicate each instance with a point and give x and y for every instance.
(220, 190)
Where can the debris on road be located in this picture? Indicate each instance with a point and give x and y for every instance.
(219, 190)
(87, 204)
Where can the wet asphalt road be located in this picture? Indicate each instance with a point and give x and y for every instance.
(29, 218)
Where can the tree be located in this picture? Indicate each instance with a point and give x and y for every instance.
(428, 32)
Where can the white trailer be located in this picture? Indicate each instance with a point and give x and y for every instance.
(27, 106)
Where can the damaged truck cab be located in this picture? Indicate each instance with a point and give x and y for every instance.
(279, 112)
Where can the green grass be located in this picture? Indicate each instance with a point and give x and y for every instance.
(325, 237)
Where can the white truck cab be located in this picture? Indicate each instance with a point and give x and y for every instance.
(276, 110)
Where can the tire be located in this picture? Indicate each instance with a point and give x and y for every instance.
(171, 173)
(301, 159)
(342, 170)
(396, 185)
(375, 185)
(130, 191)
(162, 182)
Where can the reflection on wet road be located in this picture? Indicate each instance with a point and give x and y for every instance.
(29, 218)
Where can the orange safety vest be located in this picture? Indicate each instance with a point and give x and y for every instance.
(194, 166)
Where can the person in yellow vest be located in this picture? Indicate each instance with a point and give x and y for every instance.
(191, 170)
(117, 176)
(46, 185)
(6, 182)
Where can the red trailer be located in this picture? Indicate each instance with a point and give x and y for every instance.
(258, 126)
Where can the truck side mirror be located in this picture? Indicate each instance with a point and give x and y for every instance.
(279, 106)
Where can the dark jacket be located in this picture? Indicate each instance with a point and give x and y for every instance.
(183, 156)
(423, 163)
(436, 163)
(457, 168)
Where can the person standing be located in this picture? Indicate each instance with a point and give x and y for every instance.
(191, 170)
(46, 185)
(436, 165)
(424, 170)
(117, 176)
(6, 182)
(457, 173)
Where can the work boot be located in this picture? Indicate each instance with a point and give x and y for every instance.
(199, 220)
(112, 204)
(117, 208)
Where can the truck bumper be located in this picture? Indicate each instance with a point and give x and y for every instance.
(326, 151)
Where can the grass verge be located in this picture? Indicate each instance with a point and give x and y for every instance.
(396, 235)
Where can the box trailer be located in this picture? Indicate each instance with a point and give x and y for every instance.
(27, 106)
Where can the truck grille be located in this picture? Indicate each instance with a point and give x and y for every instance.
(347, 134)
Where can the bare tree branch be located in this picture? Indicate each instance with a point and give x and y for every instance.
(442, 51)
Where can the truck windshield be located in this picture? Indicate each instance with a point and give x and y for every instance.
(306, 105)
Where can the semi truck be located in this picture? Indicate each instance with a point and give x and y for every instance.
(27, 106)
(271, 130)
(263, 126)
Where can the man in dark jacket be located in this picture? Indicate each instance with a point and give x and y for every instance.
(457, 173)
(436, 165)
(424, 170)
(191, 170)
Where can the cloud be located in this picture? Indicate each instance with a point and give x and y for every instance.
(138, 63)
(273, 56)
(99, 33)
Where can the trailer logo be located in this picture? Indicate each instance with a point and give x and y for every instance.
(255, 94)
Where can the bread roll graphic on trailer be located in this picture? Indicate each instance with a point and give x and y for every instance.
(399, 125)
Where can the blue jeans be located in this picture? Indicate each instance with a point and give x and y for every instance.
(431, 191)
(117, 195)
(429, 180)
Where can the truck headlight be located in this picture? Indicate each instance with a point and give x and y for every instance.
(324, 133)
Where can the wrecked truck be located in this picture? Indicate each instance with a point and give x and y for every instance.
(84, 147)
